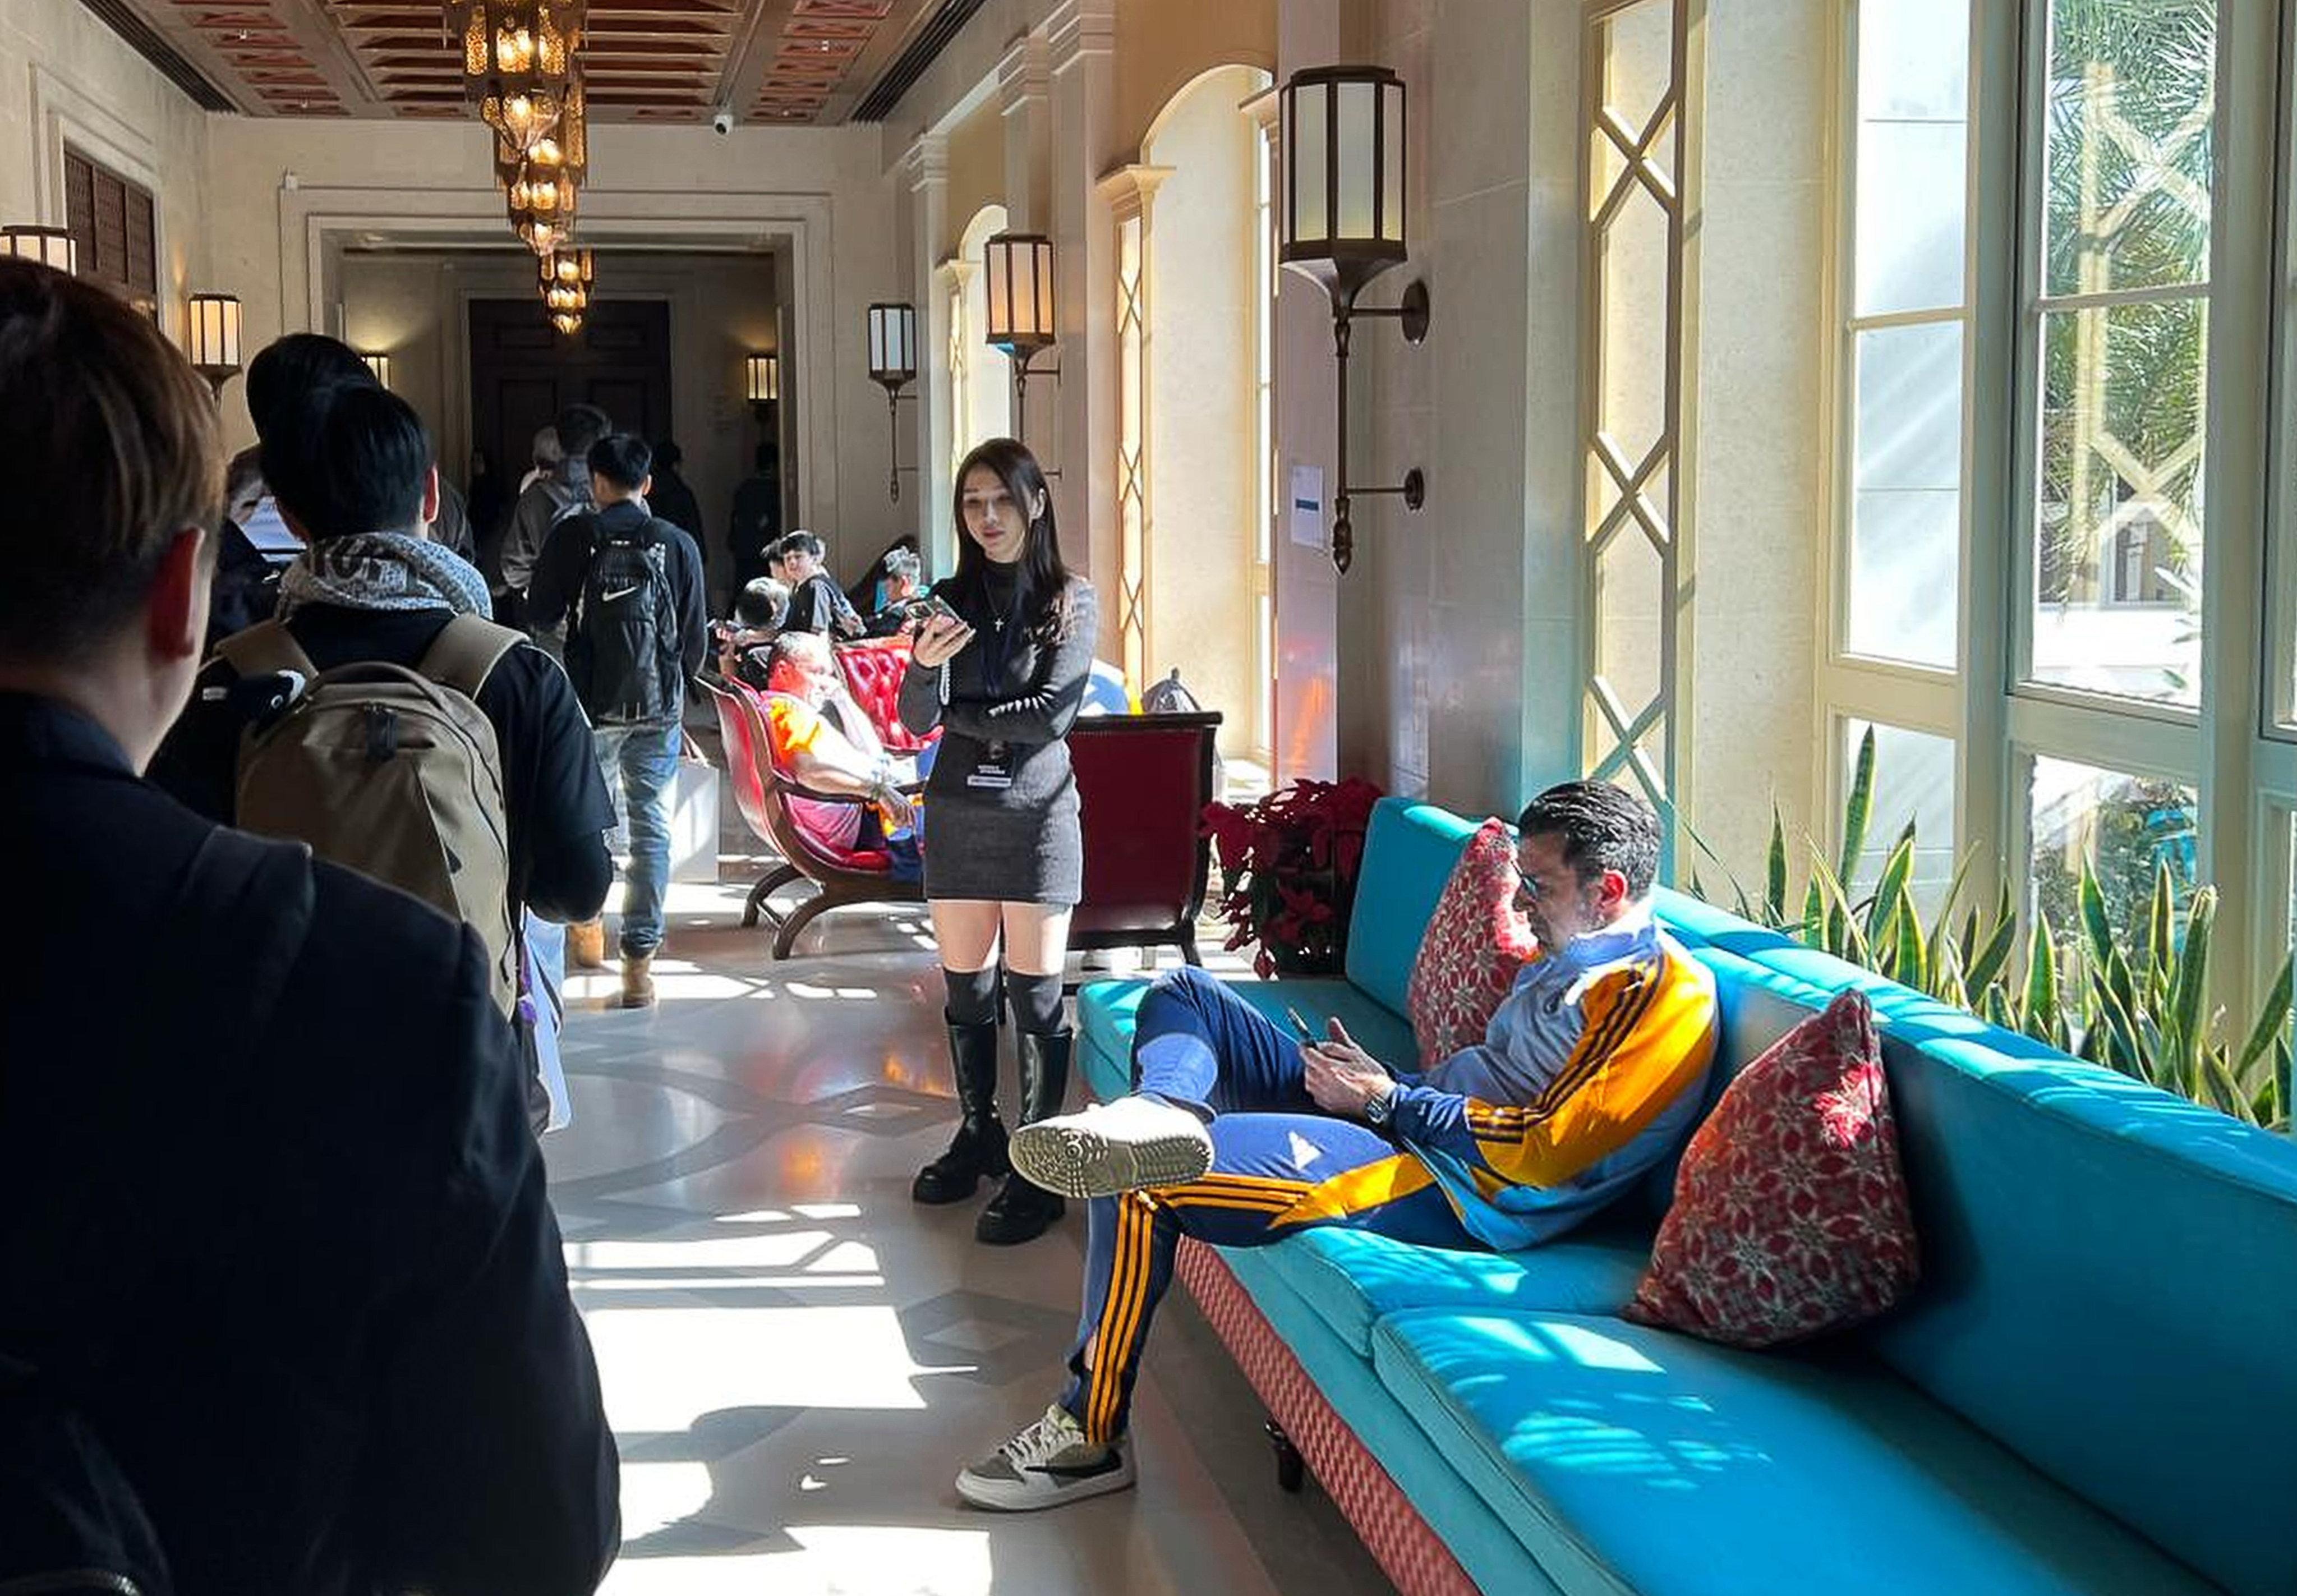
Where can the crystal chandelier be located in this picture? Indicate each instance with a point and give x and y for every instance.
(521, 62)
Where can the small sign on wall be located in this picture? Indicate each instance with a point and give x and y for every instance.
(1306, 505)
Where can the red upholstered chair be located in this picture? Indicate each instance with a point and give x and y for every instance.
(1142, 783)
(873, 669)
(745, 770)
(839, 877)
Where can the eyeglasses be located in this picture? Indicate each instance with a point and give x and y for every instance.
(1525, 885)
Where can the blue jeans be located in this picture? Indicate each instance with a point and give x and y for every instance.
(644, 760)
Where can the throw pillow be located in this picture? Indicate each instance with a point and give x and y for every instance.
(1790, 1214)
(1473, 948)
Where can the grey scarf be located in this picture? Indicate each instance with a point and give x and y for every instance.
(383, 570)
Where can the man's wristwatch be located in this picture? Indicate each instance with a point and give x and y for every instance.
(1379, 1108)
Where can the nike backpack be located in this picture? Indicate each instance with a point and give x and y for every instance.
(622, 640)
(392, 772)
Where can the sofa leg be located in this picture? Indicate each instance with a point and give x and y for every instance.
(1291, 1468)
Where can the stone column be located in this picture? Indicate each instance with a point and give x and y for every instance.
(1081, 37)
(925, 168)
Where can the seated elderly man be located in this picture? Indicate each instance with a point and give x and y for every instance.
(840, 754)
(1240, 1134)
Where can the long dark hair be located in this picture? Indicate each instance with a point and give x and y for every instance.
(1044, 597)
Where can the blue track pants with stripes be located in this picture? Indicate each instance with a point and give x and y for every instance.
(1279, 1166)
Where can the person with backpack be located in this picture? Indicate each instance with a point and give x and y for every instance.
(278, 1244)
(559, 493)
(629, 585)
(474, 787)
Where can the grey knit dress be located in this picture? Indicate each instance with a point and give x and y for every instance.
(1001, 803)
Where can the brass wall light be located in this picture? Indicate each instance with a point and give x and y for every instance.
(1343, 225)
(1020, 307)
(213, 342)
(765, 382)
(893, 367)
(50, 246)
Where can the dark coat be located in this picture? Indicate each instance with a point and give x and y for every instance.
(269, 1210)
(672, 500)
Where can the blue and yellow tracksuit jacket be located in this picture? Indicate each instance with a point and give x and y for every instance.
(1592, 1072)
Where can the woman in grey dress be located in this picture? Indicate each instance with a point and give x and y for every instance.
(1002, 672)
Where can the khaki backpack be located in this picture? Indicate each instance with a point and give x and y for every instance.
(390, 772)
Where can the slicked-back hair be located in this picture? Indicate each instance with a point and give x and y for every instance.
(110, 447)
(287, 370)
(351, 457)
(624, 459)
(800, 542)
(1603, 827)
(578, 427)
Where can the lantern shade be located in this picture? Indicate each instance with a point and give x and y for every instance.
(567, 321)
(50, 246)
(765, 375)
(520, 66)
(379, 363)
(1344, 185)
(1020, 292)
(213, 334)
(892, 344)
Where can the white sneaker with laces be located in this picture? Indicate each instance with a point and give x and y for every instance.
(1112, 1148)
(1047, 1463)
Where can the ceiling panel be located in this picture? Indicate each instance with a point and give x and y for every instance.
(646, 60)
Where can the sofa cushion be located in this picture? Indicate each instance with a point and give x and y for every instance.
(1354, 1278)
(1476, 945)
(1106, 1011)
(1408, 851)
(1790, 1215)
(1633, 1462)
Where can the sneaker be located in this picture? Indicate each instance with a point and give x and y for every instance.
(1049, 1463)
(1111, 1147)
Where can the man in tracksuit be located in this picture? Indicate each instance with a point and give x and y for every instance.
(1239, 1134)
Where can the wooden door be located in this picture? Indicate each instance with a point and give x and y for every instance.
(523, 373)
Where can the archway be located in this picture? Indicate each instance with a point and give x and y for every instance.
(981, 378)
(1207, 369)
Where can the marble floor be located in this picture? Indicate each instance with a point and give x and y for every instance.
(797, 1358)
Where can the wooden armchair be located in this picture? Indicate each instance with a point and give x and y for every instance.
(762, 793)
(1143, 782)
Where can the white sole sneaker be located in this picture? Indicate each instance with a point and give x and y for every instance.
(997, 1485)
(1112, 1148)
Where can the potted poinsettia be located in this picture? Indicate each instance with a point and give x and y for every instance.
(1288, 865)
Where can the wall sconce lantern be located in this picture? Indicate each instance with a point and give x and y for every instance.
(765, 382)
(379, 363)
(214, 338)
(50, 246)
(893, 367)
(1020, 304)
(1343, 225)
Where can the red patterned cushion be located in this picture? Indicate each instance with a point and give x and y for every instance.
(1790, 1215)
(1470, 953)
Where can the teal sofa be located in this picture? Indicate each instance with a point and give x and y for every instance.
(2094, 1389)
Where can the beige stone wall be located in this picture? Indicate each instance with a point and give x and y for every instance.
(1201, 416)
(65, 78)
(1164, 46)
(1762, 422)
(413, 305)
(977, 170)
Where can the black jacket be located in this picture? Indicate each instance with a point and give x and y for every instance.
(554, 799)
(672, 500)
(565, 560)
(270, 1209)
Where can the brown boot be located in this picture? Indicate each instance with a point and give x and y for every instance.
(638, 982)
(585, 944)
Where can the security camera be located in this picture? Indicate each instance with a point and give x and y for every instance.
(722, 122)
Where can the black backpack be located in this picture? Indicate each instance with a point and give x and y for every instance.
(69, 1517)
(622, 640)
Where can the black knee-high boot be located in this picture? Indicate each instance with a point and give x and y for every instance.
(978, 1149)
(1020, 1211)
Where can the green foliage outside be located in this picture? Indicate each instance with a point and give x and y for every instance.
(2119, 978)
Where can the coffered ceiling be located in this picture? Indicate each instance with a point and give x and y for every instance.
(647, 61)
